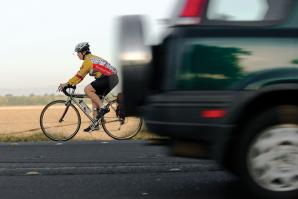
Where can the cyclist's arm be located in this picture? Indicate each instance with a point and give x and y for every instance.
(84, 70)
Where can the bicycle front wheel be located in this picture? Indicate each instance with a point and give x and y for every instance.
(120, 128)
(60, 120)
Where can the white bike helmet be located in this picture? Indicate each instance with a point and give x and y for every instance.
(83, 46)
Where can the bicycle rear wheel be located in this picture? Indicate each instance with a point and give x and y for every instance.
(118, 128)
(60, 121)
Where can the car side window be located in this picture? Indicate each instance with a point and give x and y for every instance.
(222, 63)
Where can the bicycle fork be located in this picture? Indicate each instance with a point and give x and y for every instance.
(65, 111)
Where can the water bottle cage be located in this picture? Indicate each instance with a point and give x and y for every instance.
(84, 107)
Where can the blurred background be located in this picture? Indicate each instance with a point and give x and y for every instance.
(38, 38)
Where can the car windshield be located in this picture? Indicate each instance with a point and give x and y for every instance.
(263, 10)
(230, 12)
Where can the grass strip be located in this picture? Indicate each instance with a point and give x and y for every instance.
(36, 137)
(39, 136)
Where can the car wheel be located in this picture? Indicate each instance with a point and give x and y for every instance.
(268, 153)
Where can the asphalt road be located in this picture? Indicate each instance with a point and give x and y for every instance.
(125, 169)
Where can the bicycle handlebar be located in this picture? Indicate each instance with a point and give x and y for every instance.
(64, 90)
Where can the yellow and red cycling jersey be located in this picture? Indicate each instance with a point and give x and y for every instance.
(95, 66)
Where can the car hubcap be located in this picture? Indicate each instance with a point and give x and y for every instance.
(273, 158)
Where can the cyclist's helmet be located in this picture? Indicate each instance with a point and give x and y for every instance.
(83, 46)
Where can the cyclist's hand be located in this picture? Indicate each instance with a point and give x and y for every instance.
(61, 86)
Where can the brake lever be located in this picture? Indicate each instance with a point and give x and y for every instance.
(64, 90)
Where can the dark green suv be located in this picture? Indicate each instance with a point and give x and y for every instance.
(225, 76)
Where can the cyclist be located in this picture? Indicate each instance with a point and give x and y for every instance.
(106, 79)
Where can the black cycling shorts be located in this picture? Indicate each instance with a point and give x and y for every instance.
(104, 84)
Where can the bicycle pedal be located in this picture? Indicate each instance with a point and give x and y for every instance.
(94, 128)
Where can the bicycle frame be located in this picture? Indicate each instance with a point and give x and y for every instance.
(72, 99)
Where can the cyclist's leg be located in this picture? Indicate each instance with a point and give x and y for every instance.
(100, 86)
(91, 93)
(94, 109)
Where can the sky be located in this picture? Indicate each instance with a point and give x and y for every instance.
(38, 37)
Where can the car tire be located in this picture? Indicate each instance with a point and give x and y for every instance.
(268, 153)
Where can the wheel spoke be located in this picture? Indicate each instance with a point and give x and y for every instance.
(51, 123)
(119, 128)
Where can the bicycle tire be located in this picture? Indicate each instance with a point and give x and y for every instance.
(47, 127)
(111, 121)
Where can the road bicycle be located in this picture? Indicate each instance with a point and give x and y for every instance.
(60, 120)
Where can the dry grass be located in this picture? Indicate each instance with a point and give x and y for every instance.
(21, 123)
